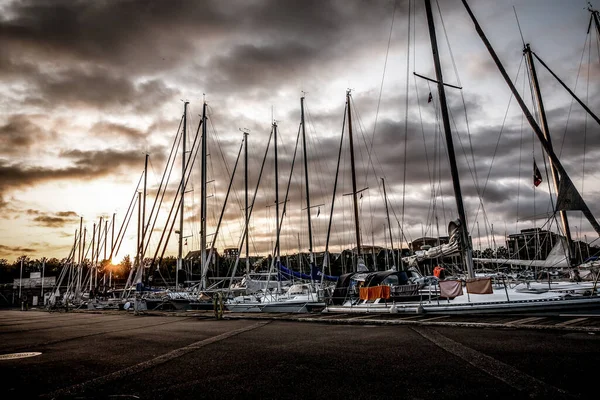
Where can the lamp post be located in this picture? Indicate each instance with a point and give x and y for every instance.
(43, 270)
(21, 284)
(21, 278)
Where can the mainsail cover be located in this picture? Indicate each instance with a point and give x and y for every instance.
(444, 250)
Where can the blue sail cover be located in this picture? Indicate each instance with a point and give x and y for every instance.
(315, 274)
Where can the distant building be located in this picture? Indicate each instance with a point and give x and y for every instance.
(231, 253)
(34, 281)
(531, 244)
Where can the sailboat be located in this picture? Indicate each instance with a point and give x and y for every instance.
(482, 294)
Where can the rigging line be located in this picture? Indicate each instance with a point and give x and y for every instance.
(572, 99)
(521, 142)
(187, 171)
(335, 185)
(519, 26)
(464, 103)
(587, 100)
(160, 202)
(585, 107)
(189, 164)
(235, 192)
(538, 117)
(176, 141)
(383, 75)
(316, 145)
(487, 179)
(251, 207)
(131, 204)
(262, 190)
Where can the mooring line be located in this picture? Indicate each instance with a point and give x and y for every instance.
(510, 375)
(137, 368)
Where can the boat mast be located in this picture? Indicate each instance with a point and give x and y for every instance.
(278, 254)
(387, 212)
(595, 16)
(310, 237)
(465, 244)
(143, 226)
(354, 192)
(98, 252)
(79, 259)
(180, 251)
(246, 202)
(203, 265)
(92, 264)
(546, 132)
(138, 274)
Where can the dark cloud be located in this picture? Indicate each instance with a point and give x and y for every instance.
(16, 250)
(96, 88)
(86, 165)
(18, 134)
(111, 129)
(52, 220)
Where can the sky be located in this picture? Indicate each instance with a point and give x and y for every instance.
(88, 88)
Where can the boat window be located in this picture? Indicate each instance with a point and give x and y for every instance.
(390, 280)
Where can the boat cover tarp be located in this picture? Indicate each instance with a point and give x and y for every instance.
(444, 250)
(479, 286)
(375, 278)
(451, 288)
(375, 292)
(341, 288)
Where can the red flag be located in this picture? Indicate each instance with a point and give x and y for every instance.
(537, 176)
(430, 98)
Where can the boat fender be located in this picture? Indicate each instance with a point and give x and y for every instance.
(393, 309)
(420, 309)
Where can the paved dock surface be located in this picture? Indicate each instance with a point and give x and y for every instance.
(117, 355)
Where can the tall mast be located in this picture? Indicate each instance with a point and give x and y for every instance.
(105, 238)
(595, 17)
(353, 166)
(203, 266)
(139, 235)
(79, 260)
(278, 254)
(81, 283)
(143, 225)
(546, 132)
(310, 236)
(387, 212)
(180, 251)
(97, 252)
(92, 265)
(246, 203)
(466, 245)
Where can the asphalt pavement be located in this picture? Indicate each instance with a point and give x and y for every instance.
(118, 355)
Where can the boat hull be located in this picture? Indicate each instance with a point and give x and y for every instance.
(548, 306)
(276, 307)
